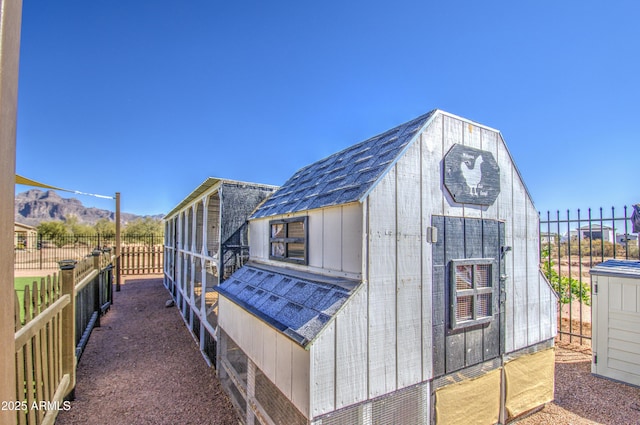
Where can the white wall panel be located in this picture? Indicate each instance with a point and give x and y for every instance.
(332, 246)
(382, 287)
(351, 351)
(300, 378)
(409, 270)
(283, 364)
(316, 238)
(323, 372)
(432, 204)
(352, 238)
(259, 239)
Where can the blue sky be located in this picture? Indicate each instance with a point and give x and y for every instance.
(149, 98)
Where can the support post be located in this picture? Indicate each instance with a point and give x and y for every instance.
(10, 21)
(97, 285)
(118, 242)
(67, 275)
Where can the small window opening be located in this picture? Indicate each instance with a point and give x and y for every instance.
(472, 289)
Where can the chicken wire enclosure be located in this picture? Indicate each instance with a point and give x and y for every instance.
(197, 284)
(406, 406)
(252, 393)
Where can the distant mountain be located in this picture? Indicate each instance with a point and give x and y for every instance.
(35, 206)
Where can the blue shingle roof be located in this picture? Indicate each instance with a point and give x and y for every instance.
(343, 177)
(298, 304)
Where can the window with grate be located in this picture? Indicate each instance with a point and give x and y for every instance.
(472, 289)
(288, 240)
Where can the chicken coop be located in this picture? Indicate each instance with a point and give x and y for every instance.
(205, 242)
(616, 320)
(393, 282)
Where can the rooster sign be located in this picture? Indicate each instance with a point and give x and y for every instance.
(471, 176)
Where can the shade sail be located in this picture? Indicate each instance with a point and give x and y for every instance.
(28, 182)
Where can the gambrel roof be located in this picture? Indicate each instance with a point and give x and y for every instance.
(346, 176)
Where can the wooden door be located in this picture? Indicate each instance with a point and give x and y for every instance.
(463, 335)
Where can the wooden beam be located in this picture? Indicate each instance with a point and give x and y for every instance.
(10, 21)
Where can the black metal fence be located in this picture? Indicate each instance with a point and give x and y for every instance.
(94, 295)
(570, 245)
(36, 251)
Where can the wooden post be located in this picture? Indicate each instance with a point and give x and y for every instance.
(10, 20)
(97, 285)
(118, 242)
(67, 275)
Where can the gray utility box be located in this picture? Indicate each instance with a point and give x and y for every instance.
(616, 320)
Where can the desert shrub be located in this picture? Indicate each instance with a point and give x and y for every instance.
(566, 287)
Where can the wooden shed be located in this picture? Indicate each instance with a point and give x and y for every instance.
(206, 241)
(393, 282)
(616, 320)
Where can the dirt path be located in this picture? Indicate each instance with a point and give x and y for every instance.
(142, 366)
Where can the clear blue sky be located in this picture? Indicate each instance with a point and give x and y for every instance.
(149, 98)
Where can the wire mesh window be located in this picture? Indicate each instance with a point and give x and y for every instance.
(472, 289)
(288, 240)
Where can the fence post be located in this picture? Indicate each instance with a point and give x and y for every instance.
(97, 284)
(118, 243)
(39, 248)
(67, 275)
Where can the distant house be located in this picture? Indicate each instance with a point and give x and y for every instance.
(396, 281)
(594, 232)
(24, 236)
(572, 233)
(548, 238)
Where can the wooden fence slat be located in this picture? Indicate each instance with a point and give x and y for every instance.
(28, 358)
(44, 350)
(37, 352)
(19, 364)
(141, 259)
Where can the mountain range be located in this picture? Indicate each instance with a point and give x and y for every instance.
(35, 206)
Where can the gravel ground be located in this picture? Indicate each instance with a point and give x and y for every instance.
(581, 398)
(142, 366)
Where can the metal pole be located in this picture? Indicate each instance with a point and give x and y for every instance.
(118, 242)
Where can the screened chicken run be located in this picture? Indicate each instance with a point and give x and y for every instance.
(206, 240)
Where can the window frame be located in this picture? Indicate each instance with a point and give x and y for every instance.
(473, 292)
(286, 240)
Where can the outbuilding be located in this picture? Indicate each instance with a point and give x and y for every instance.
(205, 242)
(396, 281)
(616, 320)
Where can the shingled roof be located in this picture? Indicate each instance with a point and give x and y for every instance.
(296, 303)
(343, 177)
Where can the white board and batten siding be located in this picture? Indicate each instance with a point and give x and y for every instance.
(531, 302)
(331, 252)
(616, 325)
(284, 362)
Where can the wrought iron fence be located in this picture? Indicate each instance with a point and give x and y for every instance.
(570, 245)
(37, 251)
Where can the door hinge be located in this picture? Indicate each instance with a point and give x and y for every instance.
(595, 288)
(595, 358)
